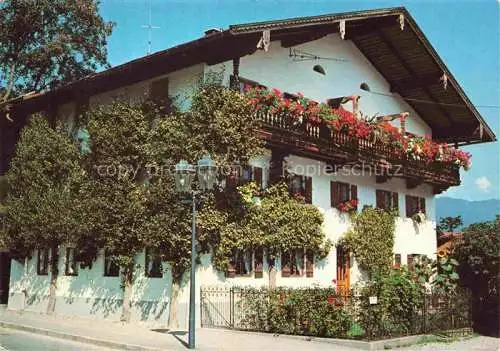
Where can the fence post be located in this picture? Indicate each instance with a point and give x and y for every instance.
(231, 307)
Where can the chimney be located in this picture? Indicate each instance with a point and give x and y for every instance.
(211, 31)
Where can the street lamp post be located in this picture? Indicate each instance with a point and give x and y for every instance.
(184, 175)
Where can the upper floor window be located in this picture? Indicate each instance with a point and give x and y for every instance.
(387, 200)
(153, 263)
(340, 193)
(159, 95)
(43, 259)
(111, 269)
(71, 265)
(242, 175)
(301, 186)
(414, 205)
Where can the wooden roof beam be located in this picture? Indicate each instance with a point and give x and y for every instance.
(421, 81)
(412, 73)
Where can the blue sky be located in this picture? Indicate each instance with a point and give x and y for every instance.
(465, 33)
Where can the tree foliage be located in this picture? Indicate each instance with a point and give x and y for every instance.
(48, 42)
(43, 208)
(238, 223)
(449, 224)
(478, 254)
(371, 239)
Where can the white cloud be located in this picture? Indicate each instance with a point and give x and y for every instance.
(483, 184)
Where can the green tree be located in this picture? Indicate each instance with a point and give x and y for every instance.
(45, 43)
(43, 200)
(371, 239)
(117, 189)
(449, 224)
(219, 123)
(478, 254)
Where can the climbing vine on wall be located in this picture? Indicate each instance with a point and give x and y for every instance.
(371, 239)
(275, 221)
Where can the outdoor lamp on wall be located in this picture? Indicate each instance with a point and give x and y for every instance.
(364, 86)
(319, 69)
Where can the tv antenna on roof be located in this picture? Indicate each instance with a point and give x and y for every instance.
(149, 27)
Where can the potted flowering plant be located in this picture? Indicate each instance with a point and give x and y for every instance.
(348, 206)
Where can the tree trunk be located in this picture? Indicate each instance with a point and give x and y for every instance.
(54, 273)
(173, 322)
(127, 293)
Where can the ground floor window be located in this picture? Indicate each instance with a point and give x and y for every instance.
(111, 269)
(244, 262)
(153, 264)
(297, 263)
(71, 265)
(42, 266)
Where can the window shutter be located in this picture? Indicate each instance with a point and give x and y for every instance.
(395, 201)
(309, 263)
(354, 193)
(308, 189)
(333, 193)
(257, 173)
(408, 206)
(379, 195)
(422, 205)
(259, 262)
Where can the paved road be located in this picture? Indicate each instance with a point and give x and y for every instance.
(13, 340)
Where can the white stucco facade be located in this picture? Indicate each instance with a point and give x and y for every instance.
(92, 294)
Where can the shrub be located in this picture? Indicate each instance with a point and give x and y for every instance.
(303, 311)
(399, 299)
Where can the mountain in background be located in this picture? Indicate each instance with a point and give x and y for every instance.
(471, 211)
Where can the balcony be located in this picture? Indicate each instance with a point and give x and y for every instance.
(319, 141)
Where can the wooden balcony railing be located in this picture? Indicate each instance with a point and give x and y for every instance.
(320, 142)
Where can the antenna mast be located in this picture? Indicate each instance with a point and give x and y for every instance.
(149, 27)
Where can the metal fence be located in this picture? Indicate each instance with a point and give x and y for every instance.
(334, 316)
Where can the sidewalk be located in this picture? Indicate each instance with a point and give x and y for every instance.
(122, 336)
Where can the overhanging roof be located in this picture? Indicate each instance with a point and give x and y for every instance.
(405, 58)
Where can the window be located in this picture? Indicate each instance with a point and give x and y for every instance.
(243, 82)
(414, 205)
(293, 262)
(159, 95)
(42, 267)
(153, 264)
(242, 262)
(411, 259)
(387, 200)
(259, 262)
(241, 175)
(301, 186)
(111, 269)
(246, 261)
(342, 192)
(254, 174)
(71, 265)
(397, 260)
